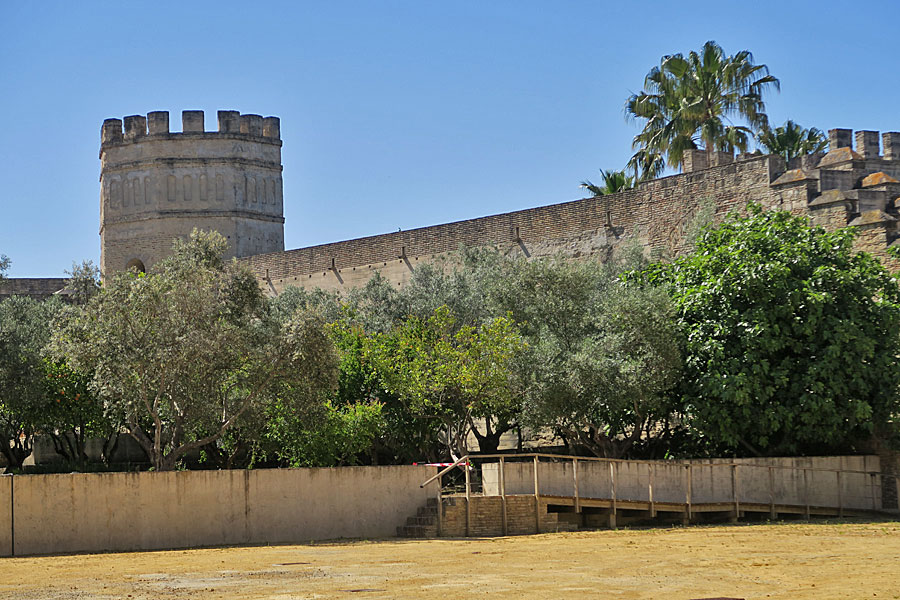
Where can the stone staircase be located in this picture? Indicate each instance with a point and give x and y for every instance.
(423, 524)
(486, 518)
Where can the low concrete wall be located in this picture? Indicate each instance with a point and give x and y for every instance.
(710, 481)
(100, 512)
(6, 508)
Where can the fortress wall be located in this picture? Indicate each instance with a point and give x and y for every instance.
(35, 287)
(657, 214)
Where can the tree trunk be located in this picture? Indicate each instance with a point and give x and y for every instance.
(15, 455)
(489, 442)
(109, 447)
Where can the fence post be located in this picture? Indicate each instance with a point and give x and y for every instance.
(773, 514)
(612, 479)
(468, 499)
(650, 490)
(575, 481)
(687, 493)
(440, 505)
(734, 493)
(503, 496)
(537, 498)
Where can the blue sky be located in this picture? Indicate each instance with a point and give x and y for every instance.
(394, 114)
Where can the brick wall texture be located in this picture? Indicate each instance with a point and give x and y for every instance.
(834, 190)
(486, 516)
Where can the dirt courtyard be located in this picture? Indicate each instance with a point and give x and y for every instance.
(790, 561)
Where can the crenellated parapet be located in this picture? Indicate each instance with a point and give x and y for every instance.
(157, 184)
(856, 183)
(155, 124)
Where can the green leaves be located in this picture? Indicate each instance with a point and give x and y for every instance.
(613, 181)
(191, 350)
(791, 140)
(791, 336)
(454, 374)
(696, 99)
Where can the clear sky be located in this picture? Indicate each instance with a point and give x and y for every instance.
(394, 114)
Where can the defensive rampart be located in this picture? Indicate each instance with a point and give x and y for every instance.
(38, 288)
(844, 187)
(656, 214)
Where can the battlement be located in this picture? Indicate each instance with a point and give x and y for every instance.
(867, 144)
(156, 124)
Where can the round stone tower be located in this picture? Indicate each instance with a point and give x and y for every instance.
(156, 185)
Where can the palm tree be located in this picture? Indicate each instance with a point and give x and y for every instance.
(646, 165)
(695, 99)
(791, 140)
(613, 181)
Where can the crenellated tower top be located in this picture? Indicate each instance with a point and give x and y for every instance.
(156, 125)
(157, 185)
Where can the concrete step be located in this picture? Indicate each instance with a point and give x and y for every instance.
(416, 531)
(424, 521)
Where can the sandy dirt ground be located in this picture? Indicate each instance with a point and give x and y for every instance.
(795, 561)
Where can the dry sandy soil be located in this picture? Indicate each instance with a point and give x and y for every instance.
(796, 561)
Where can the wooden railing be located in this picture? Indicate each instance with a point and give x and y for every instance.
(655, 491)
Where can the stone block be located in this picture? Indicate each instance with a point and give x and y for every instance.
(192, 121)
(840, 138)
(158, 122)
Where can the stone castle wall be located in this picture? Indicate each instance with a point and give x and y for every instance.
(39, 288)
(156, 185)
(843, 187)
(656, 214)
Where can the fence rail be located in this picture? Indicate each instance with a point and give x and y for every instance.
(666, 485)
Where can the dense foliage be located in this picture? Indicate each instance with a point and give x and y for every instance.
(706, 98)
(24, 399)
(184, 353)
(791, 140)
(768, 337)
(792, 337)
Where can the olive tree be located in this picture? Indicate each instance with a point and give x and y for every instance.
(24, 332)
(190, 350)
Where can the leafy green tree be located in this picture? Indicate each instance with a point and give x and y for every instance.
(609, 392)
(72, 414)
(646, 164)
(792, 338)
(342, 428)
(791, 140)
(84, 281)
(335, 436)
(24, 332)
(454, 375)
(4, 267)
(700, 99)
(380, 307)
(613, 181)
(601, 354)
(183, 354)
